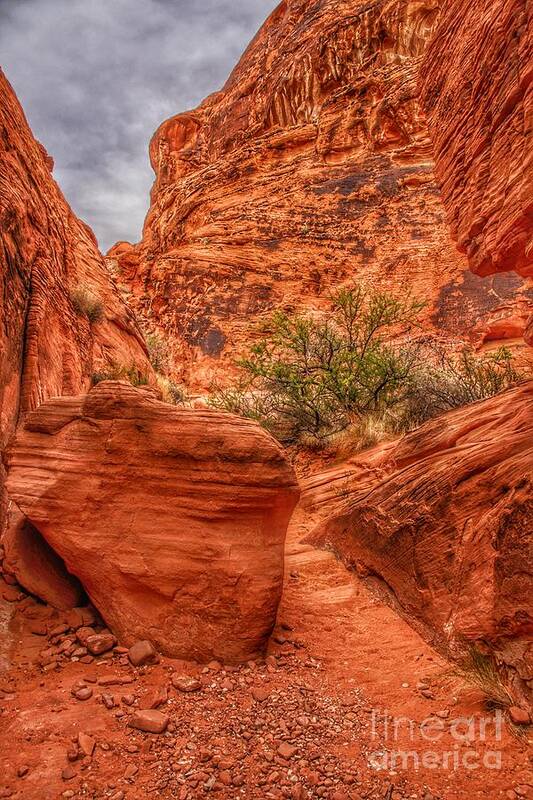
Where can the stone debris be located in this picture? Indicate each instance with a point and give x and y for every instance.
(142, 653)
(149, 721)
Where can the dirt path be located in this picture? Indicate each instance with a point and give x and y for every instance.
(365, 646)
(308, 723)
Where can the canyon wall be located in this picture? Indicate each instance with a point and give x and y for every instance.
(312, 167)
(49, 264)
(477, 88)
(442, 519)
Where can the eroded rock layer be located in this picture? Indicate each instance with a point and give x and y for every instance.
(47, 258)
(311, 168)
(173, 520)
(444, 517)
(478, 91)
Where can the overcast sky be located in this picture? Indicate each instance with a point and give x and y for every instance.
(97, 77)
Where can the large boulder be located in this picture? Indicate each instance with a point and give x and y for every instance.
(174, 520)
(444, 517)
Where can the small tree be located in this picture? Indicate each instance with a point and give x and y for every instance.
(313, 377)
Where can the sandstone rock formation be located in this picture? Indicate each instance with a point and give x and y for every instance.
(173, 520)
(478, 91)
(47, 255)
(444, 517)
(313, 166)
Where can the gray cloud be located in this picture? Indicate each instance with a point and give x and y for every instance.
(97, 77)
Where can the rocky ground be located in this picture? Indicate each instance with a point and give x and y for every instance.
(306, 722)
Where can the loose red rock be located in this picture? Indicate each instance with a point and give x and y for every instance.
(142, 652)
(149, 721)
(100, 643)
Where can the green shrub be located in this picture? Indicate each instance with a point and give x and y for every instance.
(87, 304)
(120, 372)
(447, 380)
(355, 376)
(314, 377)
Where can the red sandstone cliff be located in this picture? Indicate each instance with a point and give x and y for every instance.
(47, 348)
(478, 91)
(443, 517)
(313, 166)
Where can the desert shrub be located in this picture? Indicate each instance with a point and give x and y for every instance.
(120, 372)
(366, 432)
(357, 373)
(87, 304)
(479, 670)
(171, 392)
(314, 377)
(445, 380)
(158, 353)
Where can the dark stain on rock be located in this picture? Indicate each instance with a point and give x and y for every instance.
(201, 333)
(269, 244)
(346, 185)
(461, 304)
(213, 342)
(368, 252)
(349, 208)
(382, 221)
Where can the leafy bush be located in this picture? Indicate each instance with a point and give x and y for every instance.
(314, 377)
(120, 372)
(353, 377)
(87, 304)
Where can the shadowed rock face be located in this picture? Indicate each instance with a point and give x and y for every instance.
(46, 254)
(477, 89)
(173, 520)
(444, 517)
(313, 166)
(36, 566)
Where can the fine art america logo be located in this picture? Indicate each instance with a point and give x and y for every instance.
(435, 743)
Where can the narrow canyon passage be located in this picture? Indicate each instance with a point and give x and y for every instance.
(338, 252)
